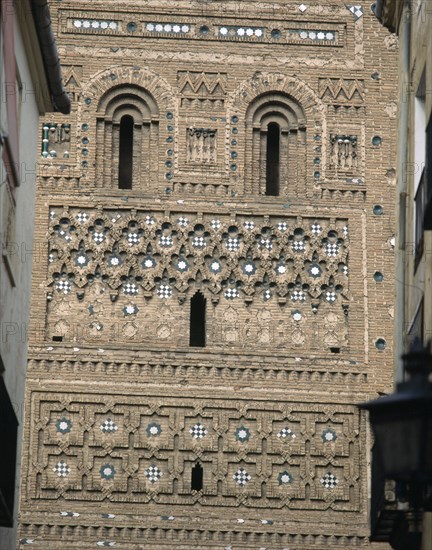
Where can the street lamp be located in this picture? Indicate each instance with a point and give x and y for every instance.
(402, 424)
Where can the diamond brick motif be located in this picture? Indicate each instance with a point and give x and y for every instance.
(63, 286)
(82, 217)
(108, 426)
(62, 469)
(231, 293)
(198, 431)
(302, 8)
(215, 224)
(249, 225)
(232, 243)
(64, 234)
(298, 296)
(286, 432)
(316, 228)
(182, 222)
(166, 240)
(332, 249)
(130, 289)
(329, 480)
(133, 238)
(149, 220)
(198, 242)
(153, 473)
(265, 243)
(357, 11)
(164, 291)
(267, 294)
(345, 230)
(345, 270)
(98, 237)
(241, 476)
(298, 246)
(330, 296)
(282, 226)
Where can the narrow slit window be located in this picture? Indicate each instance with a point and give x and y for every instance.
(197, 477)
(197, 333)
(126, 152)
(273, 160)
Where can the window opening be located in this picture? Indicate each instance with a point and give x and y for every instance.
(272, 160)
(126, 152)
(197, 477)
(197, 336)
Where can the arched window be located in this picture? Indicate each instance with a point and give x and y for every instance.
(126, 152)
(272, 159)
(275, 161)
(197, 329)
(197, 477)
(127, 131)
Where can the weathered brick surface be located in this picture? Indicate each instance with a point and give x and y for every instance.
(117, 400)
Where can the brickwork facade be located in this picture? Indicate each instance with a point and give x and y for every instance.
(293, 274)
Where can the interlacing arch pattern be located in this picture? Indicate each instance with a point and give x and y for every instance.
(165, 254)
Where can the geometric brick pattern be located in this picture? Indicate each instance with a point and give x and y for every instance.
(241, 476)
(249, 241)
(225, 437)
(62, 469)
(329, 481)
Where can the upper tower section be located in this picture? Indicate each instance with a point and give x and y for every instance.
(223, 161)
(224, 100)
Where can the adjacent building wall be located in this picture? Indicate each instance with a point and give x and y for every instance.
(24, 96)
(412, 23)
(16, 260)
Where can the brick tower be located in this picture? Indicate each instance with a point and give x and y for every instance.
(214, 277)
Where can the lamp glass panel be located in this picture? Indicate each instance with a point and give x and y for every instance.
(398, 440)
